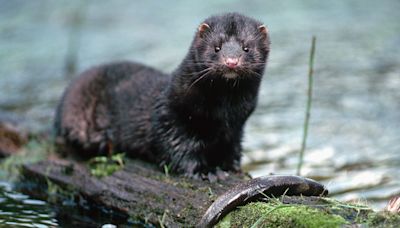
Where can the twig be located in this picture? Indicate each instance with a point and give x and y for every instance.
(76, 20)
(308, 108)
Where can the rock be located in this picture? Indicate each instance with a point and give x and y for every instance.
(12, 137)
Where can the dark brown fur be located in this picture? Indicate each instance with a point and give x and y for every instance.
(94, 105)
(191, 120)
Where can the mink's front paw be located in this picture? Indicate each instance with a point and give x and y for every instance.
(217, 175)
(210, 176)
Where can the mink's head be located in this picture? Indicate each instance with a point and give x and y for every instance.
(231, 45)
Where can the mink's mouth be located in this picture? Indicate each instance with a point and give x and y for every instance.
(230, 74)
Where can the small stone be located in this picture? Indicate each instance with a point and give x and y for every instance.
(108, 226)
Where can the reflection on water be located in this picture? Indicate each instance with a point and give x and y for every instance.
(355, 121)
(18, 209)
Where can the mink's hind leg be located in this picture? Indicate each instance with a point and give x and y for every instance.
(82, 122)
(83, 138)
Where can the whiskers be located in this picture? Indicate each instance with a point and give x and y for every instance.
(246, 70)
(252, 68)
(202, 74)
(251, 72)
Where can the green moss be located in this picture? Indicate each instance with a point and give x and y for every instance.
(56, 192)
(226, 222)
(185, 184)
(354, 213)
(319, 212)
(383, 219)
(102, 166)
(280, 215)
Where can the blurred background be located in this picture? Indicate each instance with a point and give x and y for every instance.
(354, 135)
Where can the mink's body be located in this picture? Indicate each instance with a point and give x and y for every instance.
(191, 120)
(100, 107)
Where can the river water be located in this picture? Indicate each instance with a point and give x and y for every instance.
(354, 135)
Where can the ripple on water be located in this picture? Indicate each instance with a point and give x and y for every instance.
(17, 209)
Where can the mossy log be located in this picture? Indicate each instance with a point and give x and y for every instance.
(138, 192)
(141, 194)
(310, 212)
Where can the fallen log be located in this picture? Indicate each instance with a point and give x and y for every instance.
(141, 194)
(139, 191)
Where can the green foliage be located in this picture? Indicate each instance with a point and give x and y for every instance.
(161, 221)
(102, 166)
(35, 150)
(56, 192)
(166, 171)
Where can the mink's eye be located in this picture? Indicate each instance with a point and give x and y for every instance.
(217, 49)
(245, 49)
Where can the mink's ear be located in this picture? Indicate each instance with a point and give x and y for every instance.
(263, 29)
(203, 28)
(265, 35)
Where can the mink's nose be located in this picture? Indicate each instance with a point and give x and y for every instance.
(231, 62)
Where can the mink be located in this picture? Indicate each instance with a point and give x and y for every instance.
(191, 120)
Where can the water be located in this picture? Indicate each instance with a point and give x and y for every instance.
(18, 209)
(354, 132)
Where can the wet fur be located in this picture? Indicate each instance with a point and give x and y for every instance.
(191, 120)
